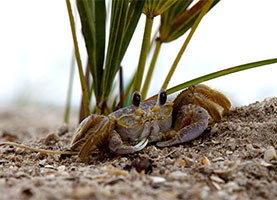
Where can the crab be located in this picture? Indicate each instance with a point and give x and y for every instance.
(130, 129)
(165, 123)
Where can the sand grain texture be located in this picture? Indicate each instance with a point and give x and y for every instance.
(236, 159)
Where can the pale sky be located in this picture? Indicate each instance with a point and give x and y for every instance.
(36, 48)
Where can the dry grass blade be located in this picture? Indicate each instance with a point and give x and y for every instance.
(38, 150)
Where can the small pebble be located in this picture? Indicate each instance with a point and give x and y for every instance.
(229, 152)
(177, 175)
(61, 168)
(116, 172)
(231, 186)
(230, 169)
(27, 191)
(205, 161)
(19, 150)
(215, 178)
(169, 161)
(142, 164)
(216, 185)
(52, 138)
(218, 159)
(181, 162)
(270, 154)
(189, 161)
(153, 152)
(50, 176)
(63, 130)
(49, 166)
(266, 164)
(156, 180)
(216, 141)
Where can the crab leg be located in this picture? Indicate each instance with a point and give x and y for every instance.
(186, 134)
(198, 118)
(98, 135)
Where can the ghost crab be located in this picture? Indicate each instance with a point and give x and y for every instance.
(130, 129)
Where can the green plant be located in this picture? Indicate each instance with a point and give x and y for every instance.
(177, 17)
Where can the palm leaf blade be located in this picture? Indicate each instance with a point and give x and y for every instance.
(220, 74)
(217, 74)
(93, 17)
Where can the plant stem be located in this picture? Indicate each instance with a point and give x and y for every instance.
(69, 90)
(87, 76)
(193, 28)
(127, 93)
(151, 69)
(78, 59)
(143, 53)
(121, 90)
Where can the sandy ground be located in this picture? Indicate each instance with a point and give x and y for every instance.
(235, 159)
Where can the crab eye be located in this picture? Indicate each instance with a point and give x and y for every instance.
(162, 97)
(136, 99)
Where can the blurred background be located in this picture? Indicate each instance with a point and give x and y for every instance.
(36, 49)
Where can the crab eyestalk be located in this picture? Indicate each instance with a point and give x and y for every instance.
(136, 98)
(162, 97)
(161, 101)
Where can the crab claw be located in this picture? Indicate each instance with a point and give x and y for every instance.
(189, 127)
(118, 147)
